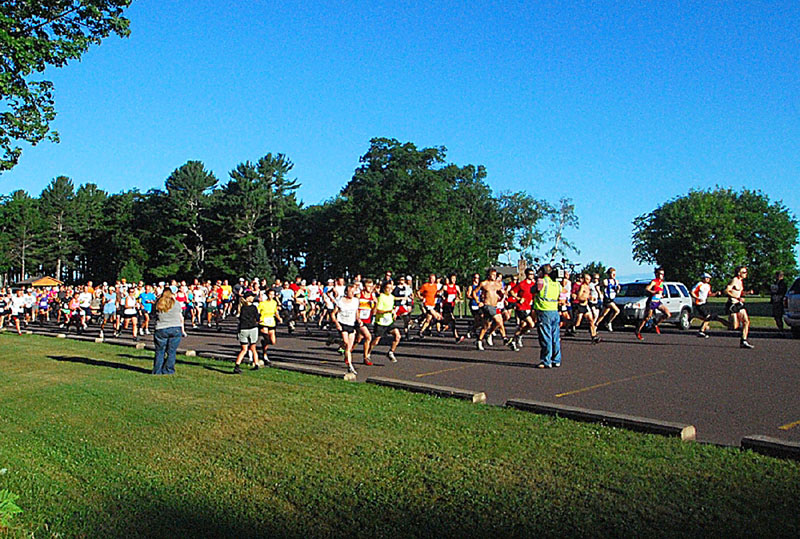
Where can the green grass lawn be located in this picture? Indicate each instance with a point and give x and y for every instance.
(95, 447)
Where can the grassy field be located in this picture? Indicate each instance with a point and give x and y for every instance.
(97, 448)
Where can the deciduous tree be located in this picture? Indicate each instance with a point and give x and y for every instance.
(716, 230)
(36, 34)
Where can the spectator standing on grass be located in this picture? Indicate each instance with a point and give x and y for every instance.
(168, 333)
(777, 291)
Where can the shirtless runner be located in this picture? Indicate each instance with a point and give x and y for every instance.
(488, 295)
(735, 306)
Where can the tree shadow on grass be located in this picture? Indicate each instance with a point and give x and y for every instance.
(101, 363)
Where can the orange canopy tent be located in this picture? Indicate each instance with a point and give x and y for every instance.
(40, 282)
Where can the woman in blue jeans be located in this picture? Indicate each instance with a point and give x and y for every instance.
(169, 330)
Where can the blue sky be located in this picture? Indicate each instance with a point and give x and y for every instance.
(619, 105)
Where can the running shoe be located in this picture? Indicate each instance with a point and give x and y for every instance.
(596, 339)
(479, 345)
(367, 362)
(237, 369)
(702, 334)
(745, 344)
(489, 341)
(391, 357)
(639, 336)
(543, 366)
(657, 329)
(519, 341)
(460, 340)
(610, 328)
(351, 369)
(101, 333)
(514, 346)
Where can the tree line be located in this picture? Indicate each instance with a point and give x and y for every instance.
(405, 208)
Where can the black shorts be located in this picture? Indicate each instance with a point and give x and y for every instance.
(522, 314)
(346, 328)
(381, 331)
(580, 309)
(733, 308)
(701, 311)
(448, 308)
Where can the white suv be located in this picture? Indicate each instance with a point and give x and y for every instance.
(632, 298)
(791, 308)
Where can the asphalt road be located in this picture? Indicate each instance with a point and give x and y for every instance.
(724, 391)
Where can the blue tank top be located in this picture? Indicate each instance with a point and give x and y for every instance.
(611, 288)
(472, 302)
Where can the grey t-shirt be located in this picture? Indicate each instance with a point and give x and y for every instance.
(172, 318)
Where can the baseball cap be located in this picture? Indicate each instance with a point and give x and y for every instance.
(706, 275)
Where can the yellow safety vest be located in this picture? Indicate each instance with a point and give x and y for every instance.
(547, 298)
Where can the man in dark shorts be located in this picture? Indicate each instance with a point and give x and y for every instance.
(700, 293)
(523, 292)
(735, 306)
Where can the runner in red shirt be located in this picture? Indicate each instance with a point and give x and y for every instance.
(522, 292)
(451, 293)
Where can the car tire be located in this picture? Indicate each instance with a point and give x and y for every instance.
(685, 320)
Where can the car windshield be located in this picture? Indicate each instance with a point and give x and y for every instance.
(632, 290)
(795, 289)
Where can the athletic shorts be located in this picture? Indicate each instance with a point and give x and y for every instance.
(652, 304)
(733, 308)
(248, 336)
(522, 314)
(580, 309)
(211, 308)
(489, 310)
(448, 308)
(607, 302)
(701, 311)
(109, 316)
(381, 331)
(347, 328)
(265, 329)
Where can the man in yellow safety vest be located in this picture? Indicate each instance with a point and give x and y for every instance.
(546, 306)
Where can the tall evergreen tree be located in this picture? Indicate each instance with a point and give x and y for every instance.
(21, 230)
(88, 228)
(185, 205)
(58, 211)
(251, 212)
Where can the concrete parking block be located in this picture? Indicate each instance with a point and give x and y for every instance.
(190, 353)
(308, 369)
(439, 391)
(61, 336)
(772, 447)
(635, 423)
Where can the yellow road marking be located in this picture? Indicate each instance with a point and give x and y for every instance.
(789, 425)
(596, 386)
(443, 370)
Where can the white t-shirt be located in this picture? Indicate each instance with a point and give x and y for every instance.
(17, 304)
(701, 290)
(348, 310)
(84, 299)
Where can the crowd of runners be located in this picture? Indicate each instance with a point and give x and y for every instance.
(363, 313)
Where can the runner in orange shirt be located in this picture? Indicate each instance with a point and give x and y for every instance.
(427, 293)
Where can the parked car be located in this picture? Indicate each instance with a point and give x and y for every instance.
(632, 298)
(791, 308)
